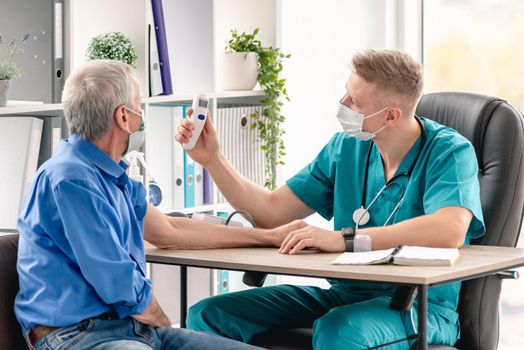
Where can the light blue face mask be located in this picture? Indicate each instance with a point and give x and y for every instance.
(352, 122)
(137, 138)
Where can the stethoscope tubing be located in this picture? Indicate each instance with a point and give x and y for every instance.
(390, 181)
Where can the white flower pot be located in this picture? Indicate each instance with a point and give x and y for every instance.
(239, 70)
(4, 86)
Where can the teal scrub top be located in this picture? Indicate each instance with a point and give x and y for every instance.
(445, 175)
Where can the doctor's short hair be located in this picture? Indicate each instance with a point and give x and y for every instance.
(397, 76)
(92, 93)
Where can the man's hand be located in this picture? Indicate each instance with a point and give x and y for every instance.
(207, 146)
(278, 234)
(153, 316)
(313, 237)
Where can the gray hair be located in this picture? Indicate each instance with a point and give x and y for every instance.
(93, 92)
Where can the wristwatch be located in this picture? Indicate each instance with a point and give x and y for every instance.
(349, 237)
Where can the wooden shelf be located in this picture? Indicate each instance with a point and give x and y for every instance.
(188, 96)
(55, 109)
(42, 109)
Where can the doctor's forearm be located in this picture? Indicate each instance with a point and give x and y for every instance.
(240, 192)
(428, 231)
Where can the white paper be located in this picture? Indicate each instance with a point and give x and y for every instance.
(410, 255)
(364, 258)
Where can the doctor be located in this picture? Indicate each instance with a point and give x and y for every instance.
(391, 176)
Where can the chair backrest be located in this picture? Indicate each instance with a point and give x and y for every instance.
(10, 334)
(496, 130)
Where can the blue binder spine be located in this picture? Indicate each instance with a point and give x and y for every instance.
(161, 40)
(189, 175)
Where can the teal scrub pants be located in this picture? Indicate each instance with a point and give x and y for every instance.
(340, 319)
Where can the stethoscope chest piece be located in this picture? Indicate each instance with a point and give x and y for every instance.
(361, 216)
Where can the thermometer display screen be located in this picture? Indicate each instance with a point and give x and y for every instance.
(202, 103)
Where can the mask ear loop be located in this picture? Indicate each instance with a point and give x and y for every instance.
(398, 204)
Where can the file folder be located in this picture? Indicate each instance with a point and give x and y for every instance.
(163, 52)
(20, 139)
(238, 141)
(165, 154)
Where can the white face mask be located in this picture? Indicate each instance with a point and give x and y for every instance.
(352, 122)
(136, 139)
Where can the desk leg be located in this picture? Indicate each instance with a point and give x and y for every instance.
(183, 296)
(422, 317)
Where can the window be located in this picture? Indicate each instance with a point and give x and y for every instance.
(476, 46)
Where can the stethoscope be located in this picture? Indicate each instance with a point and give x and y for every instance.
(361, 215)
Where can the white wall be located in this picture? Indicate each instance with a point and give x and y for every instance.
(321, 36)
(244, 16)
(87, 19)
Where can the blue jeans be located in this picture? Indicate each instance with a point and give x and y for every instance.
(128, 334)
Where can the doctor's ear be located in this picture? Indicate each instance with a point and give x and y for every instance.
(394, 114)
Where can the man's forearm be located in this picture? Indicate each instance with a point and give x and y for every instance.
(194, 234)
(434, 230)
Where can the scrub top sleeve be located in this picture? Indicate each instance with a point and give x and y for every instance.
(314, 185)
(451, 181)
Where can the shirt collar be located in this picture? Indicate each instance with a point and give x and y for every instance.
(100, 159)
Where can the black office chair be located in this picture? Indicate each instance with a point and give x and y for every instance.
(496, 130)
(10, 333)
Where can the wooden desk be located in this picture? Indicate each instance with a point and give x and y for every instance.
(474, 261)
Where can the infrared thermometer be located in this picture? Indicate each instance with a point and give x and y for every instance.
(198, 118)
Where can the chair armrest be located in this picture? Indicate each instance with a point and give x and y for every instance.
(403, 298)
(254, 279)
(508, 274)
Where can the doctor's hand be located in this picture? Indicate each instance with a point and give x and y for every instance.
(207, 146)
(278, 234)
(313, 237)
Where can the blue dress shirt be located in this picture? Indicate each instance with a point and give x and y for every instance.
(81, 250)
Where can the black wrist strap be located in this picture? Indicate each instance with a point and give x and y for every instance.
(349, 238)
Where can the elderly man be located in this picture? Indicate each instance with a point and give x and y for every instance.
(391, 176)
(81, 259)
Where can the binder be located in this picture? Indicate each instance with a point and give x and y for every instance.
(57, 71)
(165, 154)
(189, 176)
(20, 139)
(189, 183)
(42, 62)
(163, 52)
(155, 76)
(199, 184)
(208, 188)
(160, 151)
(51, 136)
(178, 162)
(239, 143)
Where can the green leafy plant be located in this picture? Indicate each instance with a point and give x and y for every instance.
(112, 46)
(268, 121)
(8, 50)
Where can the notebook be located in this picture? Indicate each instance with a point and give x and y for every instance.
(402, 255)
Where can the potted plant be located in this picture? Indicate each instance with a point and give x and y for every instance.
(112, 46)
(269, 121)
(8, 68)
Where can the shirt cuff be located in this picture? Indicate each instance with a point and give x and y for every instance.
(144, 295)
